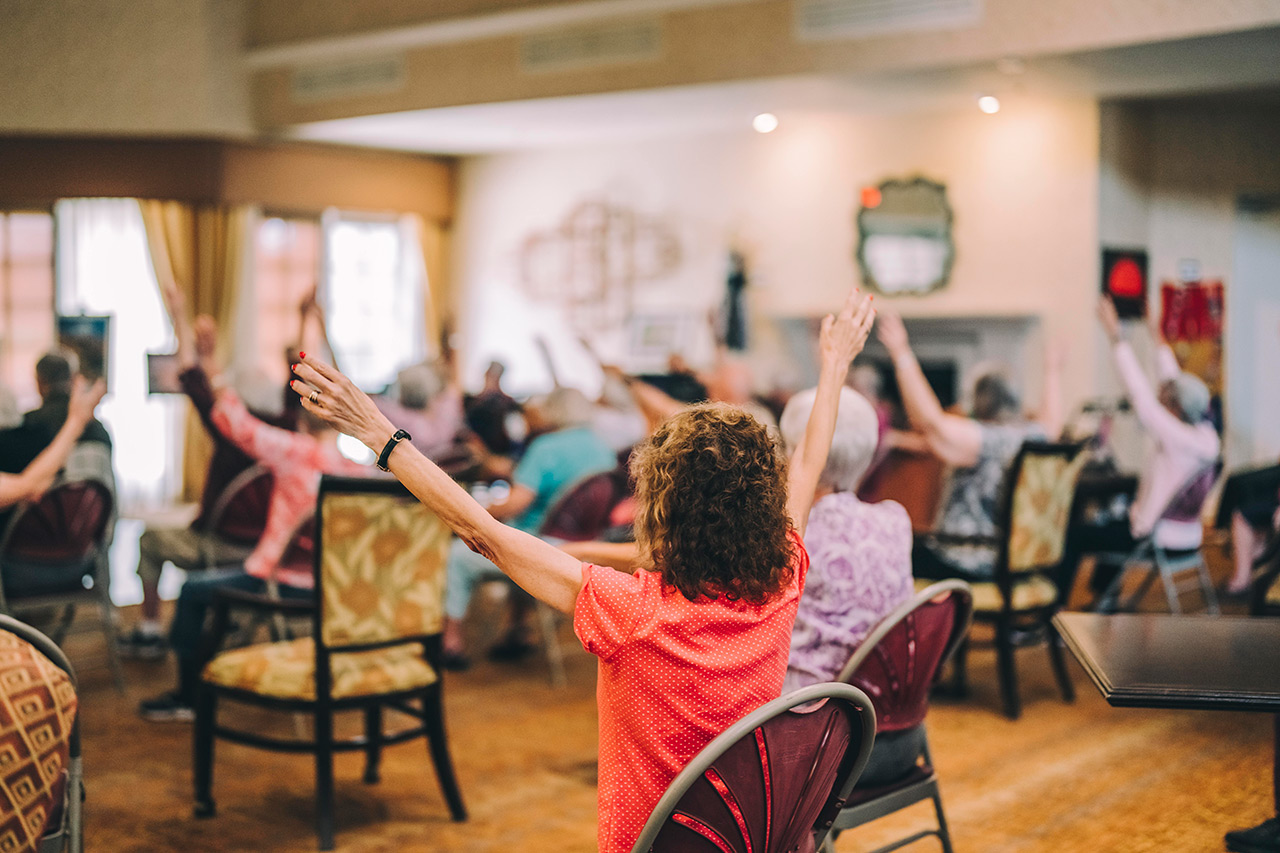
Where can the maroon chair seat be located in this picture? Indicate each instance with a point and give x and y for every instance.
(582, 513)
(240, 515)
(771, 783)
(896, 665)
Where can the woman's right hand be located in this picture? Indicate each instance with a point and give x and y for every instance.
(892, 333)
(1109, 318)
(845, 334)
(84, 400)
(339, 403)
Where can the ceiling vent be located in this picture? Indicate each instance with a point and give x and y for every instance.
(820, 20)
(588, 47)
(356, 78)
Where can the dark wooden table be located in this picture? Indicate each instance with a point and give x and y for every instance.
(1141, 660)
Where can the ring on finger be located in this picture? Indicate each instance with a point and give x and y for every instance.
(315, 395)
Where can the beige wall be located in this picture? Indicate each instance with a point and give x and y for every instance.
(1023, 185)
(1170, 179)
(127, 66)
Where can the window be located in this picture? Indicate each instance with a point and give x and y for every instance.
(374, 298)
(286, 269)
(26, 299)
(104, 267)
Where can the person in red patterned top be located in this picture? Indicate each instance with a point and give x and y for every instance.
(296, 459)
(699, 636)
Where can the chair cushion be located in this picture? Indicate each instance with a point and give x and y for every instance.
(1028, 594)
(37, 711)
(286, 670)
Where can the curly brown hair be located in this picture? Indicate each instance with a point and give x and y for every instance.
(711, 490)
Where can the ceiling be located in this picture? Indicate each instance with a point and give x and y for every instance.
(1242, 67)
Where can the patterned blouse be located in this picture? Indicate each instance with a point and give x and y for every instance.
(860, 570)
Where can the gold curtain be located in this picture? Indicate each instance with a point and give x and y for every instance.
(439, 302)
(205, 251)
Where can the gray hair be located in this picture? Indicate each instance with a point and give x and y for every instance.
(1193, 397)
(417, 385)
(853, 446)
(564, 407)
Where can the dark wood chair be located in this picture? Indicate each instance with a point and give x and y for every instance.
(239, 514)
(53, 556)
(1029, 584)
(896, 666)
(377, 623)
(1264, 589)
(773, 782)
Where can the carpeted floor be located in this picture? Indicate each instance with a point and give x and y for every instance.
(1080, 777)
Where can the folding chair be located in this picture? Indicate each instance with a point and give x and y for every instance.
(773, 782)
(896, 666)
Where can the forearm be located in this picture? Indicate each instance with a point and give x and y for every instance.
(923, 409)
(545, 572)
(810, 456)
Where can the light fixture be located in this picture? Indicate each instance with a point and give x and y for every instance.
(989, 104)
(765, 123)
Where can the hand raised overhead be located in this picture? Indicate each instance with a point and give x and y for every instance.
(336, 400)
(844, 335)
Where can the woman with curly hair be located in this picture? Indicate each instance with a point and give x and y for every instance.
(700, 637)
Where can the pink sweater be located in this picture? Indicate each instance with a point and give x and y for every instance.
(296, 460)
(1181, 450)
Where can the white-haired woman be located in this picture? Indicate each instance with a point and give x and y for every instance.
(859, 570)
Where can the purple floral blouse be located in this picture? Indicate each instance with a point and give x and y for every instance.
(860, 570)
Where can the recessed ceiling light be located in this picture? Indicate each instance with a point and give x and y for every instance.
(765, 123)
(989, 104)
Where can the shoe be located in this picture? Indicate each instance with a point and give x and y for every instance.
(167, 708)
(137, 645)
(1263, 838)
(455, 661)
(511, 650)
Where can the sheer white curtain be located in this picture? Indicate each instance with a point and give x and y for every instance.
(374, 296)
(104, 268)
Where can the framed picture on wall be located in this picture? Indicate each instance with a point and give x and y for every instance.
(1124, 279)
(89, 338)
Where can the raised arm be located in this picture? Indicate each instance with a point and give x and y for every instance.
(542, 570)
(40, 473)
(841, 339)
(1160, 423)
(955, 440)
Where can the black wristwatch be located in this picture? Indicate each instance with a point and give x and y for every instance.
(383, 457)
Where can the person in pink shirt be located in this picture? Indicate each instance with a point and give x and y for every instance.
(1175, 418)
(296, 459)
(700, 635)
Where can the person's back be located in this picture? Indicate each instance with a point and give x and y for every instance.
(23, 443)
(553, 463)
(673, 674)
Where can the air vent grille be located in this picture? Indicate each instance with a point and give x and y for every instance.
(588, 47)
(818, 20)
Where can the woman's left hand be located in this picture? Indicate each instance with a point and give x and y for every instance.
(336, 400)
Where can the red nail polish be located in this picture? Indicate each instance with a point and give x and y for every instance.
(302, 355)
(293, 366)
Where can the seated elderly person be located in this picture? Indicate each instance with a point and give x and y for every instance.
(564, 451)
(1176, 421)
(979, 448)
(859, 570)
(35, 479)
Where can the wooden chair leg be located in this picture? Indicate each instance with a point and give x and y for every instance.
(373, 743)
(1207, 590)
(206, 709)
(438, 744)
(1059, 660)
(106, 611)
(324, 778)
(1008, 670)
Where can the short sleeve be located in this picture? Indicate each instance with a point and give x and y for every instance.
(801, 559)
(609, 607)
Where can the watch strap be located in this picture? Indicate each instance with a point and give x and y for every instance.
(385, 456)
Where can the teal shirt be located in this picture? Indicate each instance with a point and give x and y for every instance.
(554, 462)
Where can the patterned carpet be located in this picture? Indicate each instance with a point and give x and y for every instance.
(1081, 777)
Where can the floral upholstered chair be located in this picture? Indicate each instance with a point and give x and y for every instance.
(1028, 587)
(378, 616)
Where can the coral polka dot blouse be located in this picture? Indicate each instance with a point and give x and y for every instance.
(674, 674)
